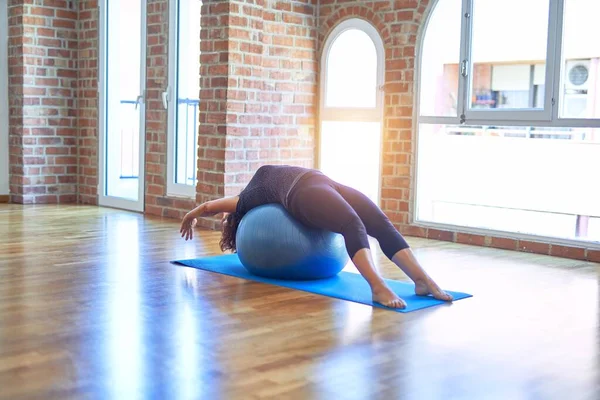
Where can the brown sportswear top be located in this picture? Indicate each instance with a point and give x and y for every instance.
(270, 184)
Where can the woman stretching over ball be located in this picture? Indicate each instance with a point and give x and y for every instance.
(319, 202)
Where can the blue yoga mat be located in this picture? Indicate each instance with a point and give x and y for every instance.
(346, 285)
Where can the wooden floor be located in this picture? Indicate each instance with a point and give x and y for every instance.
(90, 307)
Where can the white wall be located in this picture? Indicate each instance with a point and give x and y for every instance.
(3, 98)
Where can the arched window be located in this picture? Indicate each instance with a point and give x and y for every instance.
(351, 106)
(508, 118)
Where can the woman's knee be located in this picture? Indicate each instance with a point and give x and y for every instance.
(355, 235)
(391, 241)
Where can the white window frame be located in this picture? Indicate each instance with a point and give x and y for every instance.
(371, 114)
(547, 117)
(104, 85)
(506, 118)
(557, 83)
(4, 122)
(362, 114)
(461, 94)
(169, 99)
(508, 114)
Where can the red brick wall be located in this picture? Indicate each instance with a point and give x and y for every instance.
(258, 96)
(87, 101)
(272, 88)
(43, 80)
(15, 99)
(214, 57)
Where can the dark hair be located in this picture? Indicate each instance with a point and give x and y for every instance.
(230, 227)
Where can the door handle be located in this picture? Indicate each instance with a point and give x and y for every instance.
(165, 99)
(464, 71)
(138, 101)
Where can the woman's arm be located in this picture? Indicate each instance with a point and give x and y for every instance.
(213, 207)
(225, 205)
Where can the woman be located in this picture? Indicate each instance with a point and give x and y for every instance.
(319, 202)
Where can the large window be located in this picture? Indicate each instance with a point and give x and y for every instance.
(509, 118)
(183, 96)
(351, 106)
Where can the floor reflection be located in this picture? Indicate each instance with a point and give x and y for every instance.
(188, 357)
(91, 307)
(356, 322)
(125, 341)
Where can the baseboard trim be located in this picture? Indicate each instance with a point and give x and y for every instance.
(4, 198)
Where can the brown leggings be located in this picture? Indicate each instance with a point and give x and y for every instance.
(319, 202)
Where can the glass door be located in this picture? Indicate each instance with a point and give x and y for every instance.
(122, 84)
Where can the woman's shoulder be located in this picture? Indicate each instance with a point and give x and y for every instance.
(278, 174)
(279, 167)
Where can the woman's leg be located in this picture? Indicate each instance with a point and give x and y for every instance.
(317, 204)
(392, 243)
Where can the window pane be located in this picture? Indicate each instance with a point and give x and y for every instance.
(539, 181)
(509, 48)
(123, 86)
(580, 85)
(350, 154)
(352, 71)
(188, 91)
(440, 61)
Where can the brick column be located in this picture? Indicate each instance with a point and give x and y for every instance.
(272, 88)
(43, 80)
(15, 99)
(214, 59)
(87, 101)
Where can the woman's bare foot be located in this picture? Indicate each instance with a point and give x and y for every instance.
(384, 295)
(425, 287)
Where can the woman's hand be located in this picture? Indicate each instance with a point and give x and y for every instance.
(190, 220)
(187, 226)
(210, 208)
(224, 218)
